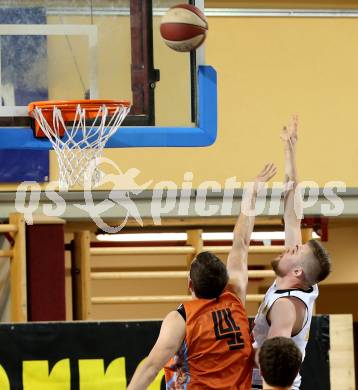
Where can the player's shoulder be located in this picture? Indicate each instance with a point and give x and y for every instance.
(288, 303)
(173, 317)
(283, 309)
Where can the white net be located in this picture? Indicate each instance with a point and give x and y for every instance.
(81, 146)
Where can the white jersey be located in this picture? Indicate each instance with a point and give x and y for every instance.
(261, 325)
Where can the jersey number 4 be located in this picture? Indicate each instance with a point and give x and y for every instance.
(225, 328)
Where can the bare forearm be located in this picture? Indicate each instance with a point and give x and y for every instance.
(292, 201)
(245, 223)
(290, 164)
(143, 377)
(237, 260)
(291, 181)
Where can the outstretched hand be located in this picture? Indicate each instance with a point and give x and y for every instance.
(267, 173)
(289, 134)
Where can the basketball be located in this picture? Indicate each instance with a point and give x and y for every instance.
(184, 27)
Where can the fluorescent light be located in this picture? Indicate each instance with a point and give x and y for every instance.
(143, 237)
(257, 236)
(209, 236)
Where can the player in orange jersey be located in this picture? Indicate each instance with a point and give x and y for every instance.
(208, 339)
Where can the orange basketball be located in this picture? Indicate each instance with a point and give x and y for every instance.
(184, 27)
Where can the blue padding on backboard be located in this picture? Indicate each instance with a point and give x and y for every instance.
(21, 165)
(146, 136)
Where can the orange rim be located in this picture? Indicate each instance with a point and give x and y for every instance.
(70, 106)
(68, 110)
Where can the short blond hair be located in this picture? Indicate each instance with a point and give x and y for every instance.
(319, 267)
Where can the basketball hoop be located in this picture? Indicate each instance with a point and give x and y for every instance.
(77, 144)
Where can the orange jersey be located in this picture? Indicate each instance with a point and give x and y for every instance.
(217, 351)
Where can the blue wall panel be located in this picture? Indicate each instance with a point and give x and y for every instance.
(20, 165)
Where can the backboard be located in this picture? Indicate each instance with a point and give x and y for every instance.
(103, 49)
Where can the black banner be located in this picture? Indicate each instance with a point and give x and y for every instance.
(104, 355)
(73, 355)
(315, 367)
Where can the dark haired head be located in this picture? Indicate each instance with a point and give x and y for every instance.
(208, 275)
(280, 360)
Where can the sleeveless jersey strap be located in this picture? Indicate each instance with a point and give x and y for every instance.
(181, 311)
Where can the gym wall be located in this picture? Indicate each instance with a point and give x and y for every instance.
(335, 298)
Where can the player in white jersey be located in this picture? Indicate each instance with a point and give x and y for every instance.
(287, 308)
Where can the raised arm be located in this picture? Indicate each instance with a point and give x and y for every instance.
(171, 337)
(292, 201)
(237, 260)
